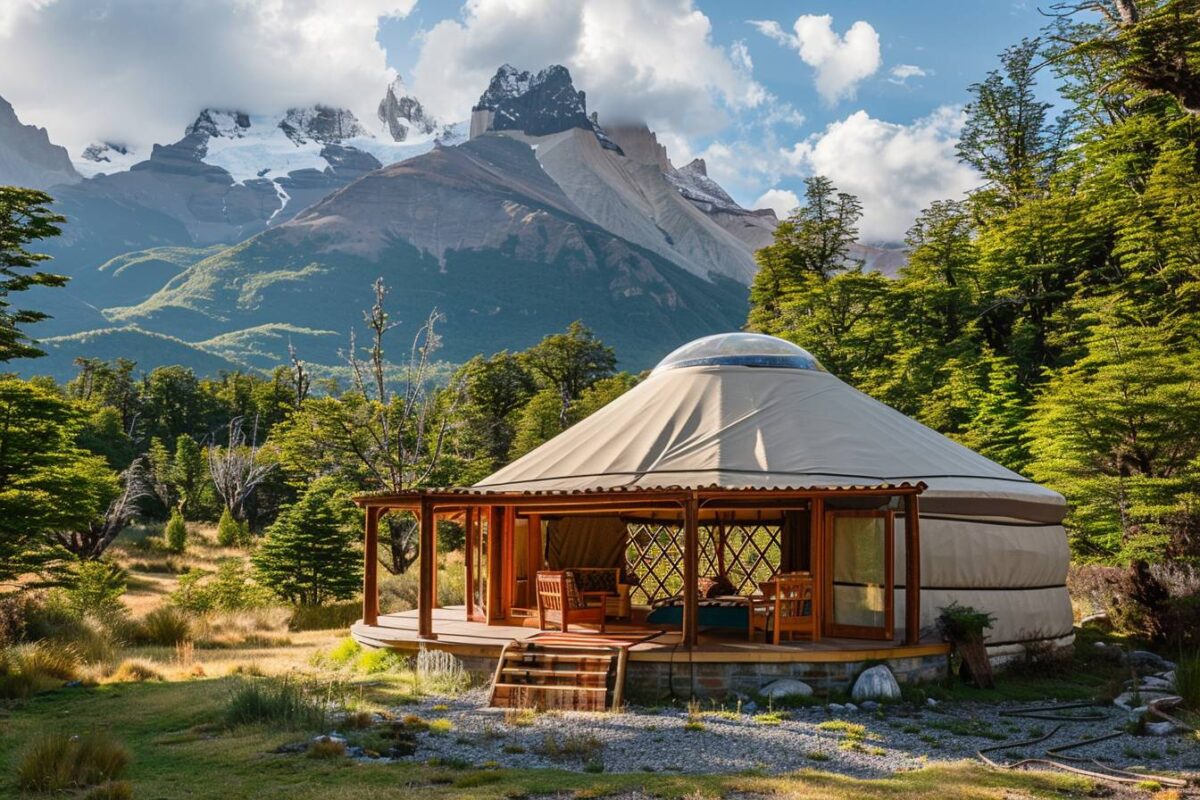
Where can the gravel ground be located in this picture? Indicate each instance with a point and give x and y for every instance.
(894, 737)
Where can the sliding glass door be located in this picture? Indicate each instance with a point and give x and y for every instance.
(858, 574)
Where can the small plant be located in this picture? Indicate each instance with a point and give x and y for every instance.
(50, 659)
(379, 660)
(95, 588)
(520, 717)
(326, 747)
(693, 725)
(57, 762)
(439, 671)
(440, 727)
(286, 703)
(594, 766)
(344, 653)
(850, 729)
(816, 755)
(439, 707)
(330, 616)
(571, 746)
(513, 749)
(770, 717)
(963, 627)
(358, 720)
(175, 534)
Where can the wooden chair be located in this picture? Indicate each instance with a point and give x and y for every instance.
(785, 606)
(561, 603)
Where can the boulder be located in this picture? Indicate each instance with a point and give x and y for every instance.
(869, 705)
(1144, 659)
(787, 687)
(836, 708)
(1159, 728)
(876, 683)
(1131, 700)
(850, 708)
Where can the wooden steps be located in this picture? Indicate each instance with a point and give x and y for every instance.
(560, 674)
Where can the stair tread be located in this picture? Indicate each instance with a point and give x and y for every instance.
(552, 687)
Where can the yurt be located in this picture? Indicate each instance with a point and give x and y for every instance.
(743, 410)
(737, 467)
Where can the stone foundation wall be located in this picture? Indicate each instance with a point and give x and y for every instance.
(648, 681)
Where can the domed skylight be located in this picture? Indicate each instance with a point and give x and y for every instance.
(741, 349)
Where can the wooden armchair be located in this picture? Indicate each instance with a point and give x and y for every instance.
(785, 606)
(561, 603)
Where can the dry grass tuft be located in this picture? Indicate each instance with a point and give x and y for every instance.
(57, 762)
(135, 670)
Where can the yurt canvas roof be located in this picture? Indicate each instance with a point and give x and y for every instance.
(752, 411)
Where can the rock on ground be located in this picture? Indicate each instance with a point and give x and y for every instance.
(876, 683)
(787, 687)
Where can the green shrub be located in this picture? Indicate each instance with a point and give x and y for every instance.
(280, 702)
(176, 533)
(230, 532)
(165, 626)
(56, 762)
(326, 617)
(1187, 680)
(95, 589)
(580, 746)
(230, 588)
(343, 653)
(52, 619)
(379, 660)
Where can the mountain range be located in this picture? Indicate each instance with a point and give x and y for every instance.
(252, 232)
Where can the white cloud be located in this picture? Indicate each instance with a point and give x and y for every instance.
(841, 62)
(895, 170)
(138, 72)
(781, 201)
(652, 61)
(900, 73)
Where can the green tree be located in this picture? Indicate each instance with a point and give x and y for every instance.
(570, 362)
(175, 533)
(810, 246)
(230, 532)
(1007, 137)
(1118, 432)
(309, 555)
(188, 473)
(493, 390)
(25, 217)
(48, 485)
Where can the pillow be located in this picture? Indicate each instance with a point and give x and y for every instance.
(574, 600)
(596, 580)
(714, 587)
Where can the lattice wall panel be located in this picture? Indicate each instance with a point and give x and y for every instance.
(654, 556)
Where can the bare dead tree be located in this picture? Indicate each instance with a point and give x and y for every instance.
(406, 432)
(300, 376)
(91, 542)
(238, 469)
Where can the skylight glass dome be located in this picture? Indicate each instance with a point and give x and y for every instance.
(741, 349)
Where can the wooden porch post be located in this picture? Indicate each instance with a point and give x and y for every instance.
(469, 567)
(912, 571)
(425, 575)
(691, 570)
(534, 553)
(496, 555)
(822, 583)
(371, 568)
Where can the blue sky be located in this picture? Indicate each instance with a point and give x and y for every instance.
(767, 93)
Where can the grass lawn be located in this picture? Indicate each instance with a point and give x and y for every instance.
(181, 750)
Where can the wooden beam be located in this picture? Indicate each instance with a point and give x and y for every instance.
(533, 551)
(426, 573)
(912, 571)
(691, 571)
(371, 567)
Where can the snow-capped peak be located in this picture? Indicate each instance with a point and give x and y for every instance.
(322, 124)
(105, 157)
(536, 104)
(220, 123)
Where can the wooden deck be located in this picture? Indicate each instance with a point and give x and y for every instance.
(453, 633)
